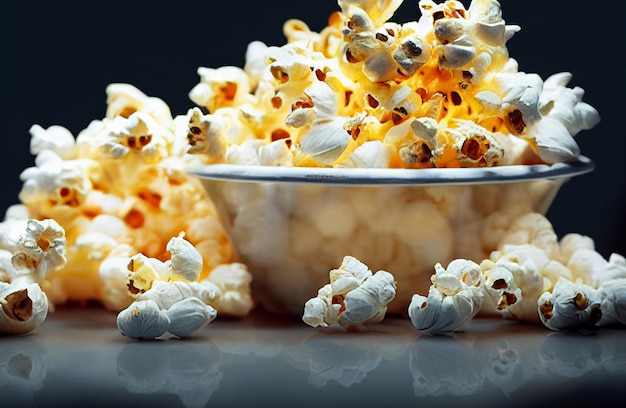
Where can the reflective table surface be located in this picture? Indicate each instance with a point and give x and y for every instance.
(77, 357)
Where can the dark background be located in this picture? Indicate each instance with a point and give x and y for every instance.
(58, 59)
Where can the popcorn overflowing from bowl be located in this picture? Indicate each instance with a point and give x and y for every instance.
(400, 146)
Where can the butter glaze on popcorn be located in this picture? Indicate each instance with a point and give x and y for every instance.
(120, 188)
(366, 79)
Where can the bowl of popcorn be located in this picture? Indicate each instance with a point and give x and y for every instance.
(417, 150)
(403, 145)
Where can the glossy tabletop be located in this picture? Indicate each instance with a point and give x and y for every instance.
(79, 358)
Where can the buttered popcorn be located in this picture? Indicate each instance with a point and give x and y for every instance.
(368, 92)
(120, 189)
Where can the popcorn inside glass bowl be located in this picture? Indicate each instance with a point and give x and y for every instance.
(364, 92)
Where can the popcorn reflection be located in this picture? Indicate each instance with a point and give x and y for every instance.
(189, 370)
(23, 368)
(565, 355)
(462, 366)
(505, 364)
(346, 360)
(444, 366)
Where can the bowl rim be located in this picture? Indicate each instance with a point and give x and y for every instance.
(393, 176)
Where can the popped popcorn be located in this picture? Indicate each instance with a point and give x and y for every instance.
(566, 284)
(569, 306)
(367, 92)
(36, 249)
(455, 297)
(189, 371)
(355, 296)
(364, 79)
(364, 92)
(170, 300)
(120, 188)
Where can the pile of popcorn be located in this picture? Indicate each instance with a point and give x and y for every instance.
(366, 92)
(112, 215)
(138, 232)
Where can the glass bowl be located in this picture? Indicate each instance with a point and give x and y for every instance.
(292, 225)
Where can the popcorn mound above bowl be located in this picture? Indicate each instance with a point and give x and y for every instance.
(149, 234)
(366, 92)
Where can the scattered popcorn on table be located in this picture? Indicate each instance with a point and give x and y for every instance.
(170, 299)
(355, 296)
(455, 297)
(585, 304)
(566, 284)
(570, 306)
(30, 250)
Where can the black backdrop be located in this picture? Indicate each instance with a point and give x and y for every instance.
(57, 60)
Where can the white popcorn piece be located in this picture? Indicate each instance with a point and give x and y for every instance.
(565, 104)
(534, 229)
(55, 138)
(188, 316)
(276, 153)
(367, 303)
(213, 133)
(186, 262)
(220, 87)
(246, 153)
(570, 306)
(125, 99)
(255, 62)
(37, 250)
(317, 311)
(379, 11)
(40, 249)
(554, 142)
(513, 281)
(373, 154)
(289, 71)
(613, 302)
(57, 183)
(113, 275)
(520, 99)
(141, 134)
(167, 293)
(455, 297)
(143, 320)
(185, 306)
(325, 141)
(354, 297)
(24, 306)
(475, 146)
